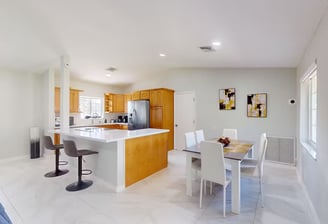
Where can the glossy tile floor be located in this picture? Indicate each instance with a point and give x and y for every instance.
(30, 198)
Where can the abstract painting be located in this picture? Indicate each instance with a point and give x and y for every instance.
(227, 99)
(257, 105)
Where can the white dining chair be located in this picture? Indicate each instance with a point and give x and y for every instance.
(213, 168)
(230, 133)
(190, 139)
(199, 135)
(251, 166)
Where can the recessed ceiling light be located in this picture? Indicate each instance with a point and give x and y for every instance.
(108, 75)
(162, 55)
(216, 43)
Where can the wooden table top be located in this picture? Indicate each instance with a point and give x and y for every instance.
(237, 149)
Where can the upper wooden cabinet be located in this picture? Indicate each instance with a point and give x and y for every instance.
(115, 103)
(57, 100)
(108, 102)
(74, 100)
(156, 97)
(127, 97)
(119, 103)
(136, 95)
(144, 94)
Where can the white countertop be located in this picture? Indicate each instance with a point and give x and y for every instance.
(108, 135)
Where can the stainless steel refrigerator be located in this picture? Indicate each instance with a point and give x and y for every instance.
(138, 114)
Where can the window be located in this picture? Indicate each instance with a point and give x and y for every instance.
(91, 107)
(309, 110)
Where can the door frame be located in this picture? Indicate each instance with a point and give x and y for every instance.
(175, 112)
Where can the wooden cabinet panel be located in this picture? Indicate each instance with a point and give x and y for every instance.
(156, 97)
(57, 100)
(119, 103)
(108, 102)
(144, 95)
(156, 117)
(136, 95)
(144, 156)
(127, 97)
(74, 100)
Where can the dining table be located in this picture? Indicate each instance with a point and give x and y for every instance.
(234, 153)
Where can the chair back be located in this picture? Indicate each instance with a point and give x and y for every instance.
(212, 157)
(230, 133)
(263, 147)
(47, 142)
(190, 139)
(70, 148)
(199, 135)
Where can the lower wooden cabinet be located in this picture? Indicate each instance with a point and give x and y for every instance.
(145, 156)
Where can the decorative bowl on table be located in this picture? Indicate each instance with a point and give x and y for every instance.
(224, 140)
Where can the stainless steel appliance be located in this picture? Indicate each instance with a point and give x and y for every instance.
(138, 114)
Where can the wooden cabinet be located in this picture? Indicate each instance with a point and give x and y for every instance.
(144, 94)
(74, 100)
(156, 97)
(57, 100)
(108, 102)
(156, 117)
(114, 103)
(162, 111)
(144, 156)
(127, 97)
(136, 95)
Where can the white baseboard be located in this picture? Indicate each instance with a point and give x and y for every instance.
(309, 205)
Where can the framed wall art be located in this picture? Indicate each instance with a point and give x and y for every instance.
(257, 105)
(227, 99)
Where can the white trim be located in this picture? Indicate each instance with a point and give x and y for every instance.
(309, 71)
(310, 149)
(309, 205)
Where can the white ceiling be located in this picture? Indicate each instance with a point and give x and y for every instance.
(130, 34)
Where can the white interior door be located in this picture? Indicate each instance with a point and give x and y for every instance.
(184, 117)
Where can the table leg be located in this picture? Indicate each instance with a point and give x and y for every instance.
(235, 186)
(188, 174)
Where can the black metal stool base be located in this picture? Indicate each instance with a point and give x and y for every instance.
(56, 173)
(77, 186)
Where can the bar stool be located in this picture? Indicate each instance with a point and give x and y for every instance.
(71, 150)
(49, 145)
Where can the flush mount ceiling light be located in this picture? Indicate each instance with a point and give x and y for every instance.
(110, 70)
(162, 55)
(216, 43)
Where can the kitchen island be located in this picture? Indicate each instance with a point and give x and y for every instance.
(124, 156)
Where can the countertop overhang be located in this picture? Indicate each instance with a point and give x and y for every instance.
(108, 135)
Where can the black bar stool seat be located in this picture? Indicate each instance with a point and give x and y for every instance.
(71, 150)
(48, 144)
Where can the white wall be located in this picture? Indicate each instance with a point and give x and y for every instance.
(280, 84)
(20, 110)
(314, 173)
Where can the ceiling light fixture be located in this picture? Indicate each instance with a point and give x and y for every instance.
(162, 55)
(216, 43)
(108, 75)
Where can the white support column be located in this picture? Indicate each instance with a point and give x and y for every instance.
(64, 92)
